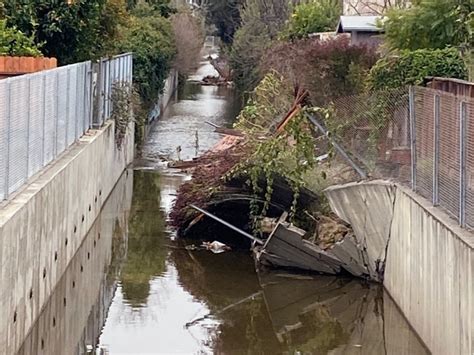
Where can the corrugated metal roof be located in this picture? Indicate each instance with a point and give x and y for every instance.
(358, 23)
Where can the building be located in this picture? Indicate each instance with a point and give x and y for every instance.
(362, 29)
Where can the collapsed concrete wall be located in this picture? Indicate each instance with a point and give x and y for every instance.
(368, 208)
(42, 227)
(425, 260)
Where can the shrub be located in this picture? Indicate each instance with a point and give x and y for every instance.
(151, 41)
(313, 16)
(411, 67)
(327, 69)
(14, 42)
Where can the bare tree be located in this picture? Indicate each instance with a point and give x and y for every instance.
(372, 7)
(188, 32)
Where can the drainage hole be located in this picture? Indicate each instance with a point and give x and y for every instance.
(95, 200)
(90, 208)
(98, 236)
(54, 321)
(82, 268)
(31, 294)
(88, 255)
(100, 192)
(14, 317)
(64, 301)
(44, 273)
(82, 218)
(95, 243)
(55, 256)
(42, 344)
(75, 229)
(74, 284)
(65, 242)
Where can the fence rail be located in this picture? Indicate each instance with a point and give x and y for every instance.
(44, 113)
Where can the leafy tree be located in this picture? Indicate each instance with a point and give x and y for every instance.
(313, 16)
(150, 39)
(431, 24)
(69, 32)
(411, 67)
(262, 21)
(15, 43)
(225, 16)
(163, 7)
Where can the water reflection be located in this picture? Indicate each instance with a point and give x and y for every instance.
(73, 316)
(146, 239)
(136, 290)
(199, 302)
(184, 122)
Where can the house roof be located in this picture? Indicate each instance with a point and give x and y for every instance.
(359, 24)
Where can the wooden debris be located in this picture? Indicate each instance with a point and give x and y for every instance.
(286, 248)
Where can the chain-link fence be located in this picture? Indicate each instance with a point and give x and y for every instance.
(109, 71)
(42, 114)
(443, 154)
(417, 136)
(374, 130)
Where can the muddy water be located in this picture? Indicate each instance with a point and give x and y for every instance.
(140, 291)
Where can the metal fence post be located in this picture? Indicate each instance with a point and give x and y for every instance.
(28, 131)
(43, 115)
(436, 151)
(56, 108)
(462, 164)
(8, 132)
(412, 136)
(66, 143)
(76, 106)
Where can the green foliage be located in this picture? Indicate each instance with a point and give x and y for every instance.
(411, 67)
(313, 16)
(225, 16)
(70, 32)
(261, 23)
(151, 41)
(431, 24)
(288, 154)
(15, 43)
(160, 7)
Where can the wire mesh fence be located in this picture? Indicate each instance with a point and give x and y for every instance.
(110, 71)
(42, 114)
(443, 159)
(374, 129)
(418, 136)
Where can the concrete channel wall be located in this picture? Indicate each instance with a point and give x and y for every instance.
(427, 259)
(43, 225)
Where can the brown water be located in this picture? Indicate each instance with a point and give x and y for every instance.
(139, 291)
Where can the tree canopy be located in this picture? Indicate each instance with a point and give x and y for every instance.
(431, 24)
(313, 16)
